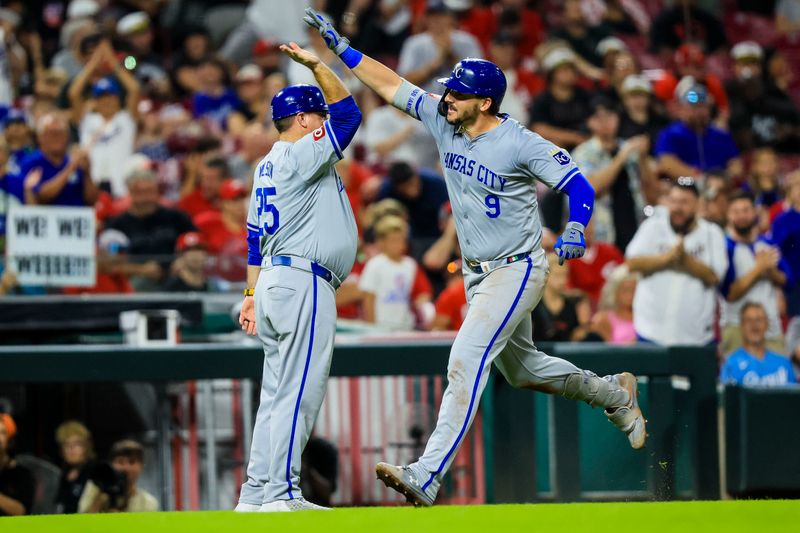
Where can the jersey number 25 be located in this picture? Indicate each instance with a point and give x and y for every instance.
(262, 196)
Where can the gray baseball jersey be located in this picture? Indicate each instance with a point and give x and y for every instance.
(490, 181)
(490, 184)
(299, 204)
(300, 208)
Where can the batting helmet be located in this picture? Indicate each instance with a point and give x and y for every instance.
(477, 76)
(297, 99)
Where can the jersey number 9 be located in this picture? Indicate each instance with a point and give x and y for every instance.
(492, 201)
(262, 196)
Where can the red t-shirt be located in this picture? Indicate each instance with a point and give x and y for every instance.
(353, 309)
(589, 273)
(106, 284)
(195, 203)
(218, 237)
(357, 174)
(452, 303)
(664, 89)
(481, 23)
(228, 247)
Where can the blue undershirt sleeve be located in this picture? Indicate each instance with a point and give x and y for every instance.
(253, 246)
(345, 118)
(581, 199)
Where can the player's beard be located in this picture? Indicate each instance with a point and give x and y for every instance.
(467, 116)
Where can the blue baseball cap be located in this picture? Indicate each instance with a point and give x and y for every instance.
(106, 86)
(15, 116)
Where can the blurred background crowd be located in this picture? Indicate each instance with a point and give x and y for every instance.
(683, 115)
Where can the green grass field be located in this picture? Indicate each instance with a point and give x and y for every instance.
(684, 517)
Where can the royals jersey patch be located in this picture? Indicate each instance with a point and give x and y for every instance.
(319, 133)
(561, 157)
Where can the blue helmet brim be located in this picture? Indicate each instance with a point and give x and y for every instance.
(297, 112)
(455, 85)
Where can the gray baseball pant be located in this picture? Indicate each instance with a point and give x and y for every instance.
(296, 321)
(498, 329)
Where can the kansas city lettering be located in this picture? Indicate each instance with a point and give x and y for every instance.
(461, 164)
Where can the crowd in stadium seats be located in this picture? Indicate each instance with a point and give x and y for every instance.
(682, 114)
(86, 484)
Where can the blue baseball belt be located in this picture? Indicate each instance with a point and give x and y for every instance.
(481, 267)
(302, 264)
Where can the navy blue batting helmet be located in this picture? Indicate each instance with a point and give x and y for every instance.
(478, 77)
(297, 99)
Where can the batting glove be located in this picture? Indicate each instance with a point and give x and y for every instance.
(335, 42)
(571, 244)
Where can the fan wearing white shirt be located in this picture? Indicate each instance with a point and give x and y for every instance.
(756, 273)
(394, 287)
(682, 259)
(107, 129)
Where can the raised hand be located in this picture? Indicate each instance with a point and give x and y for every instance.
(335, 42)
(300, 55)
(32, 179)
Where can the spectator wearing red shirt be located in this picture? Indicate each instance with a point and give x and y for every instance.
(511, 17)
(204, 196)
(224, 231)
(590, 272)
(188, 271)
(689, 60)
(451, 305)
(227, 224)
(478, 20)
(112, 278)
(348, 296)
(354, 175)
(514, 17)
(523, 85)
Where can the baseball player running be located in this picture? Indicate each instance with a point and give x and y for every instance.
(301, 236)
(490, 163)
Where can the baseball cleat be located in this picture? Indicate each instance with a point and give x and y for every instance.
(403, 480)
(242, 507)
(629, 418)
(288, 506)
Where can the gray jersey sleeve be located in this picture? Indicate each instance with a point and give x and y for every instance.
(313, 154)
(542, 160)
(422, 106)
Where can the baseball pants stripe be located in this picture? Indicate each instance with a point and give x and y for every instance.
(300, 393)
(479, 375)
(296, 320)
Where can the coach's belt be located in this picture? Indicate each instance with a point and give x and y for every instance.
(303, 264)
(480, 267)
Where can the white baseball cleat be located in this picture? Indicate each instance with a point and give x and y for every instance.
(242, 507)
(288, 506)
(629, 418)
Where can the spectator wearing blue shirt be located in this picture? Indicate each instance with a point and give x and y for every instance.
(692, 146)
(756, 273)
(50, 176)
(16, 147)
(214, 99)
(18, 138)
(786, 236)
(753, 363)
